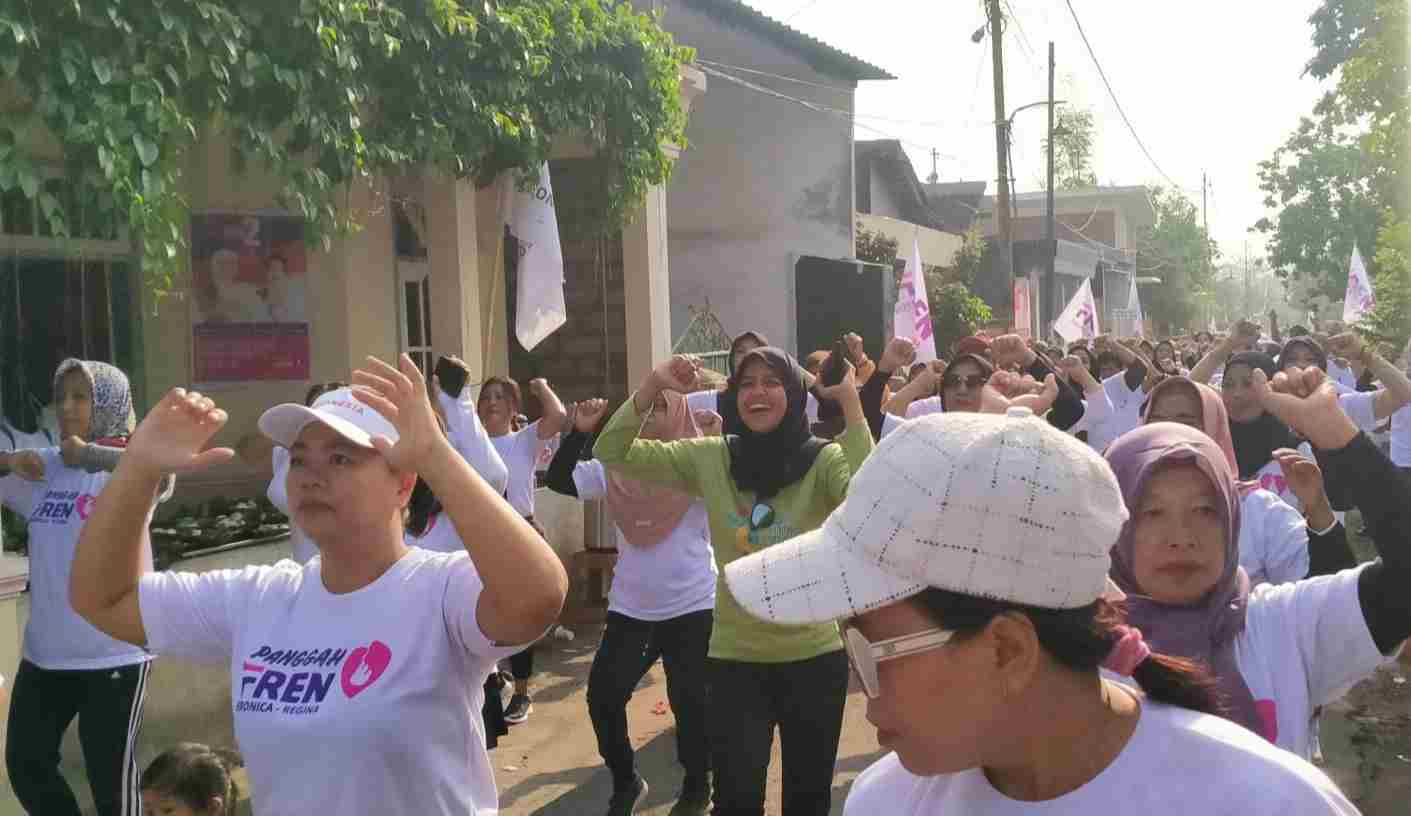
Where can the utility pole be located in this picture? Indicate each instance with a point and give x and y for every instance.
(1204, 215)
(1001, 143)
(935, 176)
(1051, 238)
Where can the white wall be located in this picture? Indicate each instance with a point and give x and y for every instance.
(883, 202)
(761, 181)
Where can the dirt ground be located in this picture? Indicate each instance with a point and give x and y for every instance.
(549, 766)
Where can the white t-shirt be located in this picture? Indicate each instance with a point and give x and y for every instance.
(1273, 539)
(1361, 408)
(439, 536)
(673, 577)
(1176, 762)
(1097, 409)
(1271, 478)
(56, 637)
(1304, 645)
(1341, 376)
(520, 452)
(710, 401)
(365, 702)
(471, 441)
(1401, 437)
(1125, 415)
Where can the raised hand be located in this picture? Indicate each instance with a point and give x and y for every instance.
(27, 465)
(399, 395)
(172, 436)
(1245, 334)
(1347, 345)
(844, 389)
(1303, 476)
(589, 414)
(1010, 350)
(708, 422)
(1306, 401)
(1041, 401)
(855, 350)
(677, 374)
(898, 355)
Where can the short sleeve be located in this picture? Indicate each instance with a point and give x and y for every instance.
(278, 490)
(17, 494)
(924, 407)
(460, 608)
(811, 407)
(195, 615)
(890, 422)
(1361, 408)
(590, 480)
(1321, 619)
(1283, 538)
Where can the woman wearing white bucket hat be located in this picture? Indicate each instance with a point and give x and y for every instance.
(356, 678)
(969, 562)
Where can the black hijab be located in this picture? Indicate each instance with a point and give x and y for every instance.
(1255, 441)
(1309, 343)
(767, 463)
(727, 404)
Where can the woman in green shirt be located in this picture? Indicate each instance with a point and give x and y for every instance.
(771, 481)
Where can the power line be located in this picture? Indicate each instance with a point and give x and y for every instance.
(840, 89)
(1025, 48)
(1113, 95)
(800, 10)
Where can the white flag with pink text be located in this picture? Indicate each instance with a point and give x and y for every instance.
(1079, 318)
(912, 316)
(1359, 298)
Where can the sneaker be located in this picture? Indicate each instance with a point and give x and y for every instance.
(519, 710)
(624, 803)
(694, 799)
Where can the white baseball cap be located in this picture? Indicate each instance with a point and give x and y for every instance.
(993, 506)
(352, 419)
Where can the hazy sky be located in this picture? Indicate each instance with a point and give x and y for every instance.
(1209, 85)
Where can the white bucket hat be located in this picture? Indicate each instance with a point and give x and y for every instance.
(340, 410)
(1001, 507)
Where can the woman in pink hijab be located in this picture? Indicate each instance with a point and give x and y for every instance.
(661, 603)
(1277, 543)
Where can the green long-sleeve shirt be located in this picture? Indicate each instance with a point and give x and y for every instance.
(701, 467)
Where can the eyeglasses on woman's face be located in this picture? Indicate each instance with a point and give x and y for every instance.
(864, 655)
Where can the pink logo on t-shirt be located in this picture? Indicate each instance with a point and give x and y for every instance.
(1268, 713)
(364, 666)
(84, 506)
(1273, 483)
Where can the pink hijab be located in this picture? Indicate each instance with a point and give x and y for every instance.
(1214, 420)
(646, 513)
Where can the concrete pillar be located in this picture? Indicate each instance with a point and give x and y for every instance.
(452, 253)
(647, 285)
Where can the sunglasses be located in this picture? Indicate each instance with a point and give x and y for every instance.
(864, 655)
(971, 382)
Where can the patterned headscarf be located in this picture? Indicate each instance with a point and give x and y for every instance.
(113, 417)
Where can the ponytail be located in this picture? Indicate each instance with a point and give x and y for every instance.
(195, 774)
(1086, 639)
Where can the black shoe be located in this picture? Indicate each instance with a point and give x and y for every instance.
(624, 802)
(694, 799)
(520, 709)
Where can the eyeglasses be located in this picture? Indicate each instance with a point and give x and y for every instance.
(971, 382)
(864, 655)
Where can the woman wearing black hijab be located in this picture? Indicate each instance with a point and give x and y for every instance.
(764, 483)
(724, 402)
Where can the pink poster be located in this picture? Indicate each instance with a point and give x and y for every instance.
(249, 275)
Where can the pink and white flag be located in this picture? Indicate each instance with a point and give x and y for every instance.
(912, 316)
(1359, 299)
(1079, 317)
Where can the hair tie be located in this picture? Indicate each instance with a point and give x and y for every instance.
(1129, 652)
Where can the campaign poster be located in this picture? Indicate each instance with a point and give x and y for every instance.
(249, 280)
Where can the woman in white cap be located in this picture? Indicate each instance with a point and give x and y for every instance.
(969, 563)
(356, 678)
(1277, 652)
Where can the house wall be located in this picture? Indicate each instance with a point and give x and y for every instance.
(937, 248)
(883, 201)
(761, 181)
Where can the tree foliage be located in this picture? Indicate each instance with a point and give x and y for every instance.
(1341, 177)
(1178, 250)
(325, 93)
(1073, 149)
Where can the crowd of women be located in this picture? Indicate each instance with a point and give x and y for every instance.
(1065, 579)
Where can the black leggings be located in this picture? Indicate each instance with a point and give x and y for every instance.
(108, 705)
(522, 664)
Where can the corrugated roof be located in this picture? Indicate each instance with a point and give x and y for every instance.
(822, 56)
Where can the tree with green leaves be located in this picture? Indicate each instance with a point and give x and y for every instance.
(1073, 142)
(955, 311)
(325, 94)
(1178, 250)
(1342, 177)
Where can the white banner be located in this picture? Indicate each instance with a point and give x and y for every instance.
(1359, 299)
(539, 302)
(912, 316)
(1079, 317)
(1134, 305)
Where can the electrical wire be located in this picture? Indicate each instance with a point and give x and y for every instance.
(1026, 49)
(800, 10)
(839, 88)
(1113, 94)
